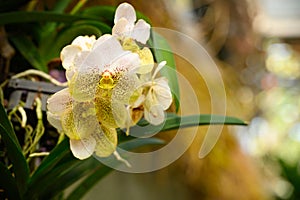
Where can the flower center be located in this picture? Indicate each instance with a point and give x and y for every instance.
(106, 81)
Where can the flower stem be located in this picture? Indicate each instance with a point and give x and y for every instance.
(44, 75)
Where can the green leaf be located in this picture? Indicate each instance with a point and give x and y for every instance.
(5, 123)
(56, 155)
(103, 13)
(175, 122)
(104, 28)
(162, 51)
(102, 170)
(70, 175)
(29, 51)
(60, 6)
(14, 151)
(56, 162)
(39, 16)
(99, 172)
(8, 183)
(50, 50)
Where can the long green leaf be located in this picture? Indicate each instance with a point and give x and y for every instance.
(162, 52)
(101, 170)
(8, 183)
(175, 122)
(60, 159)
(50, 50)
(30, 52)
(67, 164)
(69, 169)
(60, 6)
(56, 155)
(104, 13)
(38, 16)
(14, 151)
(78, 170)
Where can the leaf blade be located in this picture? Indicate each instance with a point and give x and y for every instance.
(102, 170)
(8, 183)
(174, 122)
(29, 52)
(14, 152)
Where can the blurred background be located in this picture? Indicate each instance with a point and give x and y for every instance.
(256, 46)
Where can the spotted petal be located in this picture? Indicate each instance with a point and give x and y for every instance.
(106, 51)
(80, 121)
(106, 141)
(59, 102)
(127, 62)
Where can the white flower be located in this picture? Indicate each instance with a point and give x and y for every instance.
(83, 111)
(70, 53)
(109, 87)
(79, 122)
(125, 26)
(158, 99)
(104, 65)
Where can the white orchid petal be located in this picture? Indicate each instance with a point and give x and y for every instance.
(141, 31)
(83, 148)
(54, 120)
(59, 102)
(106, 49)
(101, 40)
(154, 114)
(68, 55)
(84, 42)
(127, 62)
(122, 28)
(127, 11)
(78, 60)
(158, 68)
(162, 93)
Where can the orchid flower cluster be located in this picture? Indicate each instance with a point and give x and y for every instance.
(112, 83)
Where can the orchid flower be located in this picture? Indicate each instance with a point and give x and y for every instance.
(158, 98)
(125, 26)
(109, 87)
(83, 111)
(127, 31)
(70, 53)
